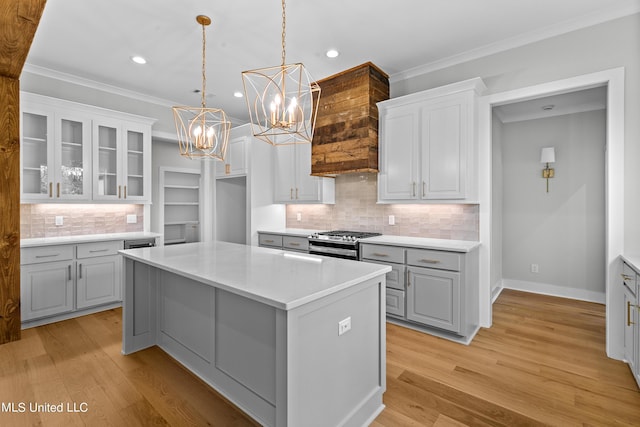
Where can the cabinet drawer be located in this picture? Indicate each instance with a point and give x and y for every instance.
(441, 260)
(395, 302)
(382, 253)
(273, 240)
(40, 254)
(90, 250)
(629, 278)
(395, 278)
(295, 243)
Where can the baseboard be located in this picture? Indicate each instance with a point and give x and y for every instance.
(554, 290)
(496, 291)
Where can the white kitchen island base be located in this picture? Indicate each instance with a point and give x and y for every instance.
(279, 358)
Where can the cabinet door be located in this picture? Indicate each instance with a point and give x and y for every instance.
(107, 160)
(399, 138)
(395, 302)
(36, 154)
(136, 162)
(433, 298)
(98, 281)
(235, 162)
(630, 320)
(46, 289)
(72, 156)
(284, 173)
(307, 188)
(443, 149)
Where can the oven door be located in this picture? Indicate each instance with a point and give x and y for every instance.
(332, 250)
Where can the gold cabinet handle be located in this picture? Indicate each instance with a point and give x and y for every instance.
(423, 189)
(125, 191)
(268, 241)
(414, 189)
(291, 193)
(50, 189)
(294, 244)
(380, 254)
(80, 271)
(69, 271)
(227, 168)
(430, 261)
(296, 193)
(119, 191)
(58, 190)
(629, 322)
(625, 277)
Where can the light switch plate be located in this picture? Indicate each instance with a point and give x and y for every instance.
(132, 219)
(59, 220)
(344, 325)
(392, 220)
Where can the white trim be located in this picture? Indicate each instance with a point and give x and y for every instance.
(614, 188)
(554, 290)
(608, 14)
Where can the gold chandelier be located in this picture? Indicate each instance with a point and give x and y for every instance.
(282, 100)
(202, 132)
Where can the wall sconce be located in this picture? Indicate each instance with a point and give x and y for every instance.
(548, 155)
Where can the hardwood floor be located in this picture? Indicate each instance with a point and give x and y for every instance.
(542, 363)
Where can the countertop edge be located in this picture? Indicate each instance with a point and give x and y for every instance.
(85, 238)
(633, 261)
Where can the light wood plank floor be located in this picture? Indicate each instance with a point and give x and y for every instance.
(542, 363)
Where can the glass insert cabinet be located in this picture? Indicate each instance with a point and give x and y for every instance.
(76, 152)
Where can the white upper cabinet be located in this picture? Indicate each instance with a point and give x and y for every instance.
(427, 145)
(55, 154)
(76, 152)
(293, 182)
(235, 162)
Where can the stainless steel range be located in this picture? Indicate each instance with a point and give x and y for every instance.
(338, 243)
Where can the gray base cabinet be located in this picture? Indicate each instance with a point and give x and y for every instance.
(631, 317)
(429, 290)
(283, 241)
(47, 289)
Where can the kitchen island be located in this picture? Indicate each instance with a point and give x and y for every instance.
(291, 339)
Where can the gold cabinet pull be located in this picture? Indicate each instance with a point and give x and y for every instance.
(125, 191)
(414, 189)
(380, 254)
(423, 189)
(80, 271)
(625, 277)
(291, 193)
(296, 193)
(430, 261)
(119, 191)
(227, 168)
(294, 244)
(50, 189)
(268, 241)
(69, 271)
(58, 190)
(629, 322)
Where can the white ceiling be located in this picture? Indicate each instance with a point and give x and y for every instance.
(94, 40)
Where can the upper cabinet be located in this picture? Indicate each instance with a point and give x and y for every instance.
(427, 145)
(293, 182)
(76, 152)
(235, 162)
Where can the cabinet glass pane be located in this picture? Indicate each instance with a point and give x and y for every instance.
(72, 167)
(34, 158)
(135, 170)
(107, 161)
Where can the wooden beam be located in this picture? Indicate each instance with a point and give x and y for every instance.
(18, 22)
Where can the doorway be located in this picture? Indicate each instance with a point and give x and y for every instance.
(613, 80)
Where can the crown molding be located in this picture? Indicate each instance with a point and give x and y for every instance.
(92, 84)
(630, 7)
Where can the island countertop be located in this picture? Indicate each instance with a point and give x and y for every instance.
(281, 279)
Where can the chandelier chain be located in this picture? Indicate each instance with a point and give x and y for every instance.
(284, 31)
(204, 74)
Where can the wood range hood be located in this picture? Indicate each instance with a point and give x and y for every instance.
(345, 138)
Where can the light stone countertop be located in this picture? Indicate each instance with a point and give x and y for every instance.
(281, 279)
(298, 232)
(633, 260)
(85, 238)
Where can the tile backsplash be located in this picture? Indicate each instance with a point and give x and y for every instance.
(356, 209)
(38, 220)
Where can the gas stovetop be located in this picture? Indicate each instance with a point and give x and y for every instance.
(342, 235)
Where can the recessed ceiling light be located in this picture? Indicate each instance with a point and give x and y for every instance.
(332, 53)
(238, 94)
(138, 60)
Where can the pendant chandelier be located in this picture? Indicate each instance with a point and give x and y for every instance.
(202, 132)
(282, 100)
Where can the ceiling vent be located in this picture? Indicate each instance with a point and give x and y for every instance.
(345, 138)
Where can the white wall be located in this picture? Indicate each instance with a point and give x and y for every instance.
(562, 231)
(496, 201)
(605, 46)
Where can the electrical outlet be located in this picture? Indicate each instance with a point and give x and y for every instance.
(392, 220)
(132, 219)
(59, 220)
(344, 325)
(299, 216)
(534, 268)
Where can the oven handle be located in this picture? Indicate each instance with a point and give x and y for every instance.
(327, 250)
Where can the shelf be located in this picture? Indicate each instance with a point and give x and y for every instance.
(181, 203)
(107, 148)
(135, 152)
(135, 176)
(106, 174)
(73, 144)
(31, 169)
(183, 187)
(185, 222)
(30, 139)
